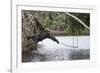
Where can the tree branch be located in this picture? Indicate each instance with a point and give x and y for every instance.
(80, 21)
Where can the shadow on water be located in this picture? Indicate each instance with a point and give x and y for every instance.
(57, 55)
(80, 54)
(50, 51)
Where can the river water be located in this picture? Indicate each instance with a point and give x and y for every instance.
(49, 50)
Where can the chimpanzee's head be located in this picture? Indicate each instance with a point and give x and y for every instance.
(47, 32)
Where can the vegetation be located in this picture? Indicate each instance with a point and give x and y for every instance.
(59, 22)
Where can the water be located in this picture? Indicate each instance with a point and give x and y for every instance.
(83, 42)
(49, 50)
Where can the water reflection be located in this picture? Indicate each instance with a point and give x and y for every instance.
(50, 51)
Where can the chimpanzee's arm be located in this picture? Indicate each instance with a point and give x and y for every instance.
(53, 38)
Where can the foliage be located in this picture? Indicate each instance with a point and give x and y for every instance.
(59, 22)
